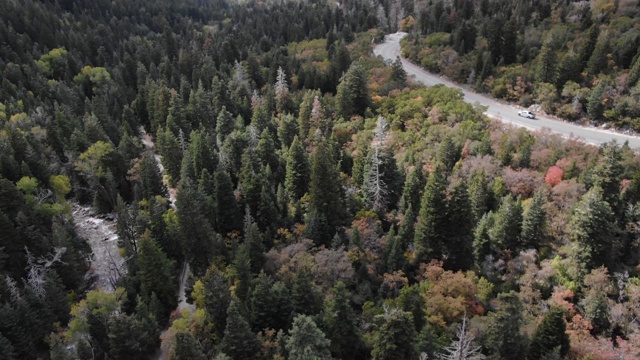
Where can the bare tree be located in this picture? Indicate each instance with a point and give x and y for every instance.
(463, 348)
(37, 269)
(375, 187)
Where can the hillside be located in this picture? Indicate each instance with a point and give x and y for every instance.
(578, 60)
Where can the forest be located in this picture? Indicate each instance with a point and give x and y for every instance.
(279, 193)
(577, 60)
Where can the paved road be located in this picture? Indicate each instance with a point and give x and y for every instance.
(390, 50)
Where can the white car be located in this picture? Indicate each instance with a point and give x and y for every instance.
(527, 114)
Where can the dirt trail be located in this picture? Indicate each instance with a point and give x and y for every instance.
(163, 352)
(107, 265)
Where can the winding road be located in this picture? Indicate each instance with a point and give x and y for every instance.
(390, 50)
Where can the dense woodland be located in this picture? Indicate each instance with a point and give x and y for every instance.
(579, 60)
(327, 207)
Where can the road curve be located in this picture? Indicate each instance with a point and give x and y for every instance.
(390, 50)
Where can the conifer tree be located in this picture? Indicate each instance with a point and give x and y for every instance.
(550, 334)
(533, 223)
(459, 235)
(228, 212)
(592, 228)
(429, 232)
(547, 62)
(394, 339)
(352, 97)
(325, 195)
(156, 272)
(239, 341)
(216, 298)
(241, 273)
(297, 173)
(507, 225)
(340, 324)
(413, 185)
(307, 341)
(306, 297)
(261, 303)
(481, 240)
(504, 338)
(254, 242)
(150, 178)
(187, 348)
(171, 153)
(478, 195)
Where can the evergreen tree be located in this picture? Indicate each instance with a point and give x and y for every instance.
(228, 213)
(507, 225)
(459, 235)
(504, 339)
(429, 232)
(261, 303)
(254, 243)
(478, 195)
(395, 337)
(187, 348)
(634, 72)
(595, 107)
(156, 272)
(325, 196)
(216, 298)
(533, 223)
(171, 153)
(547, 71)
(241, 273)
(413, 185)
(201, 244)
(239, 342)
(551, 333)
(307, 341)
(339, 322)
(592, 228)
(306, 297)
(352, 97)
(482, 244)
(149, 178)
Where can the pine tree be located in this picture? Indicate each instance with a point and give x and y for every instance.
(187, 348)
(413, 185)
(459, 235)
(394, 339)
(171, 153)
(150, 178)
(352, 97)
(595, 107)
(481, 240)
(507, 225)
(228, 215)
(634, 72)
(306, 297)
(551, 333)
(156, 272)
(533, 223)
(339, 322)
(592, 228)
(504, 338)
(216, 298)
(478, 195)
(307, 341)
(241, 273)
(239, 341)
(547, 62)
(200, 242)
(325, 195)
(447, 154)
(261, 303)
(297, 173)
(429, 232)
(254, 242)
